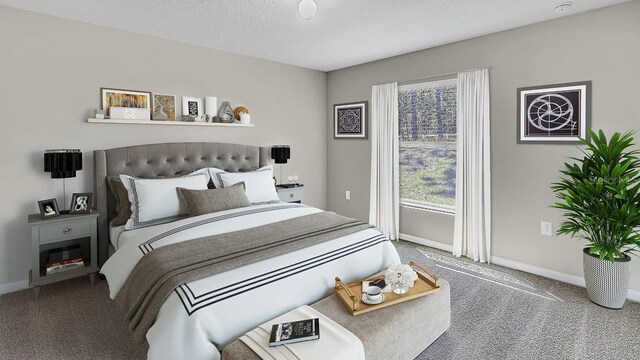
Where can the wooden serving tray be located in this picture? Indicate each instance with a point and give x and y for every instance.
(350, 294)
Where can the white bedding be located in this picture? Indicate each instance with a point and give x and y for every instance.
(114, 235)
(201, 317)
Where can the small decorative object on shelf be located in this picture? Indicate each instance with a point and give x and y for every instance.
(400, 277)
(211, 108)
(99, 114)
(193, 118)
(240, 110)
(117, 112)
(242, 113)
(226, 113)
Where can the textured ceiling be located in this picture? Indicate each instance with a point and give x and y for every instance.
(344, 32)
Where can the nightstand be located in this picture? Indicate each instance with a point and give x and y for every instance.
(291, 194)
(60, 236)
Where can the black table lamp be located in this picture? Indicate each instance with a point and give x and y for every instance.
(63, 164)
(280, 154)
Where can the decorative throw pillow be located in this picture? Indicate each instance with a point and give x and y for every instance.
(259, 183)
(199, 202)
(123, 205)
(214, 174)
(155, 201)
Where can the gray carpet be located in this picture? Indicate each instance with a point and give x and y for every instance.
(497, 313)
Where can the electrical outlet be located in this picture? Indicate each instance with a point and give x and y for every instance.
(546, 228)
(347, 195)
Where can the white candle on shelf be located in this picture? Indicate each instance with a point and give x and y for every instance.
(245, 118)
(211, 106)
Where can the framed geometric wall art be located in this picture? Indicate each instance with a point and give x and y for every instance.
(350, 120)
(554, 114)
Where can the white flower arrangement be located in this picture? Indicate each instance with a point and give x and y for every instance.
(400, 275)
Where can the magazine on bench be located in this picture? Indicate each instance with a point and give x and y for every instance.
(295, 331)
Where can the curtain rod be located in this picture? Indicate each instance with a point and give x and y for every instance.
(429, 77)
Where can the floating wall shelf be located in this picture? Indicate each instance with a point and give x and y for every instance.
(170, 123)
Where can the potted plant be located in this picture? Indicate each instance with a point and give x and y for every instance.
(600, 196)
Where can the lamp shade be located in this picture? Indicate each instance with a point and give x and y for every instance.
(280, 153)
(62, 163)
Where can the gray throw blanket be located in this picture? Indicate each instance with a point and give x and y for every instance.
(162, 270)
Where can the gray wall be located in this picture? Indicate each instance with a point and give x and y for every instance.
(51, 71)
(602, 46)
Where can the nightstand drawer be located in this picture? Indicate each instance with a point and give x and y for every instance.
(68, 230)
(290, 195)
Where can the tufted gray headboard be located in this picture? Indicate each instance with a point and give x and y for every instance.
(163, 160)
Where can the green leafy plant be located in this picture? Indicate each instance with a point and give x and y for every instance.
(600, 196)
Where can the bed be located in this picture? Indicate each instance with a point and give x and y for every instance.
(198, 318)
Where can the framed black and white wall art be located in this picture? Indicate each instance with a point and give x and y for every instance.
(350, 120)
(554, 114)
(192, 106)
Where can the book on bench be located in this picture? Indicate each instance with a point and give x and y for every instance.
(295, 331)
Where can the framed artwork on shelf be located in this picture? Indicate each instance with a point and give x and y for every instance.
(164, 107)
(81, 203)
(125, 99)
(350, 120)
(554, 114)
(192, 106)
(48, 208)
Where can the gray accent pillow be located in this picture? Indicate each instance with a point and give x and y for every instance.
(123, 205)
(200, 202)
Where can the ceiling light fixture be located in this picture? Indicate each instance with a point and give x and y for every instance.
(307, 9)
(563, 7)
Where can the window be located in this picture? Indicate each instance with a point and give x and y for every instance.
(427, 131)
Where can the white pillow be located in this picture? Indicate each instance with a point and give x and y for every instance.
(155, 201)
(259, 184)
(203, 171)
(217, 180)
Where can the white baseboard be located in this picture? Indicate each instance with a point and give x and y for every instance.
(633, 295)
(13, 287)
(425, 242)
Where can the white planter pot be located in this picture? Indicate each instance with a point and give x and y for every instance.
(607, 282)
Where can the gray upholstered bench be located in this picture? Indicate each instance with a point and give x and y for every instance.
(399, 332)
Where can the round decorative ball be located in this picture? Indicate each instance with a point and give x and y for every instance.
(239, 110)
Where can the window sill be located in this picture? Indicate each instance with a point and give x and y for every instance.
(426, 208)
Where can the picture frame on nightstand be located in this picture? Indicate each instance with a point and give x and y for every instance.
(81, 203)
(48, 208)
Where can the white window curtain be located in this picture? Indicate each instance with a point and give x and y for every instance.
(384, 207)
(472, 233)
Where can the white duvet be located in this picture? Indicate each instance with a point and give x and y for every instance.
(199, 318)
